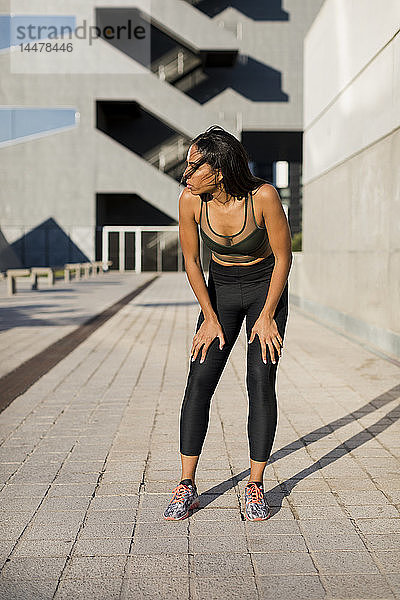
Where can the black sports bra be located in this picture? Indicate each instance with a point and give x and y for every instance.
(247, 245)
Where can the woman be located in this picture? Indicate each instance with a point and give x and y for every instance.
(249, 267)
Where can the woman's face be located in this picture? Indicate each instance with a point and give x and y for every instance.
(201, 179)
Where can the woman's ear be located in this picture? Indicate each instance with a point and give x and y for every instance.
(219, 178)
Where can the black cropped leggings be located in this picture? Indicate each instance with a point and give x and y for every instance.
(235, 292)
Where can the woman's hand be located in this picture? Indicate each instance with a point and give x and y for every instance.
(208, 331)
(267, 331)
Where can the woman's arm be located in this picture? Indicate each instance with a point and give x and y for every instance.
(189, 239)
(280, 240)
(281, 245)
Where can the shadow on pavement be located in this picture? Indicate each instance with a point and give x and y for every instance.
(276, 495)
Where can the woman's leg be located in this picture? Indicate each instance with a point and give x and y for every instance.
(203, 377)
(261, 381)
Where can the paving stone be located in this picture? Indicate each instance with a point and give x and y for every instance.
(23, 490)
(342, 561)
(273, 527)
(272, 543)
(214, 565)
(313, 499)
(217, 543)
(6, 546)
(11, 531)
(284, 563)
(10, 518)
(106, 530)
(373, 512)
(351, 483)
(219, 501)
(114, 502)
(68, 490)
(334, 542)
(228, 586)
(212, 528)
(151, 515)
(102, 547)
(65, 503)
(65, 518)
(43, 548)
(33, 568)
(313, 512)
(98, 517)
(160, 545)
(293, 587)
(162, 528)
(307, 485)
(394, 582)
(101, 589)
(384, 541)
(327, 527)
(171, 565)
(90, 567)
(51, 531)
(211, 513)
(34, 589)
(81, 478)
(357, 586)
(117, 489)
(389, 559)
(155, 588)
(159, 487)
(281, 513)
(363, 498)
(379, 525)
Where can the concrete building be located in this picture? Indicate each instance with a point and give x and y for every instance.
(103, 142)
(348, 273)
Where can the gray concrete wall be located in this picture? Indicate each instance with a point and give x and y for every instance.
(349, 270)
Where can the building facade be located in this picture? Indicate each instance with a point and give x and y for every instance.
(91, 147)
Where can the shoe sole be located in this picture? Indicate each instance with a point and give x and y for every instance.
(191, 507)
(259, 518)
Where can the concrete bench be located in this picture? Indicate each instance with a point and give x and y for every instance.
(69, 267)
(98, 266)
(36, 271)
(86, 269)
(12, 275)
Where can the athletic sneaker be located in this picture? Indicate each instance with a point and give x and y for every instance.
(257, 508)
(185, 498)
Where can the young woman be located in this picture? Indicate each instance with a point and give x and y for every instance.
(243, 223)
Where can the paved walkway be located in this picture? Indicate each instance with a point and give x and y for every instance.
(89, 457)
(32, 320)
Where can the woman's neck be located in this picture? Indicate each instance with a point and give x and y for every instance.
(221, 198)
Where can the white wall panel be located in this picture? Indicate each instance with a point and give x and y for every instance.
(364, 112)
(344, 37)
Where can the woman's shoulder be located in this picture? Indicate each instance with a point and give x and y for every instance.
(265, 190)
(267, 202)
(190, 204)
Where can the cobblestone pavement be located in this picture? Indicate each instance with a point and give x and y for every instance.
(89, 456)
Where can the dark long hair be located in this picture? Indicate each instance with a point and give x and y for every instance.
(221, 150)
